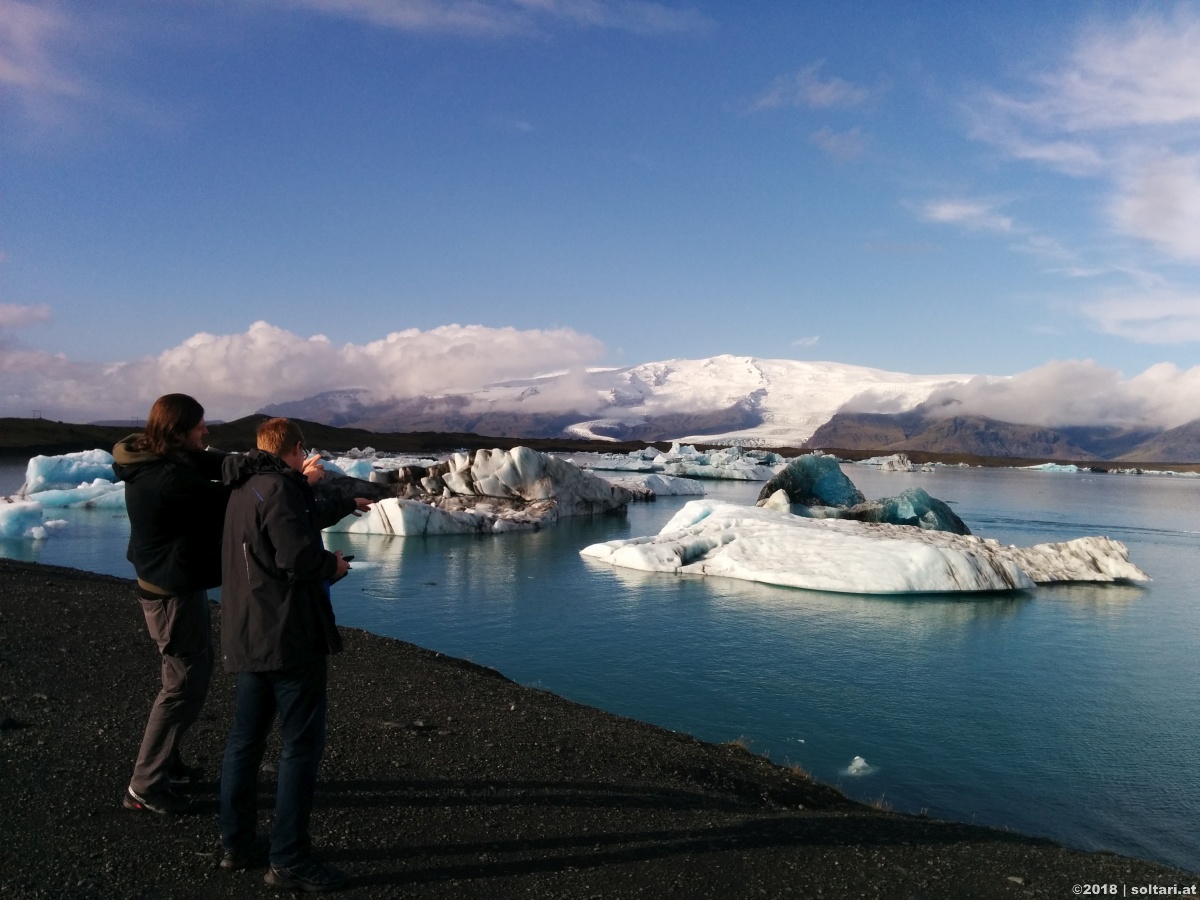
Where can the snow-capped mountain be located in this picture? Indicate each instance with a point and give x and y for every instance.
(770, 402)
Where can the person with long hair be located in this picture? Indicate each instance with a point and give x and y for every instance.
(176, 504)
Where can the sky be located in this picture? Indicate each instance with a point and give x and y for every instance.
(262, 199)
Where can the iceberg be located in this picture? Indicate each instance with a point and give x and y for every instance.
(367, 467)
(396, 516)
(710, 537)
(813, 480)
(1053, 467)
(635, 461)
(911, 507)
(21, 519)
(732, 463)
(100, 494)
(652, 486)
(489, 491)
(44, 473)
(815, 486)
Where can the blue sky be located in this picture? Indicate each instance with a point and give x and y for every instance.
(922, 187)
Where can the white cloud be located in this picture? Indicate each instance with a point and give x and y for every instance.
(1136, 73)
(1075, 392)
(502, 18)
(29, 69)
(1154, 316)
(842, 146)
(14, 315)
(977, 215)
(1159, 201)
(235, 374)
(1123, 107)
(810, 341)
(806, 89)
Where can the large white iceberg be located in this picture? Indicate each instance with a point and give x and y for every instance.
(488, 491)
(397, 516)
(709, 537)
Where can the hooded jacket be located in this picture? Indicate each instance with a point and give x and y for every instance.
(275, 608)
(176, 508)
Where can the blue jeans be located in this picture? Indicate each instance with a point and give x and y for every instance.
(298, 694)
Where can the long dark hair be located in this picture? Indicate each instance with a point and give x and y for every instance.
(171, 417)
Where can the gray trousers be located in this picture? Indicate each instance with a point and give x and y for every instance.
(181, 626)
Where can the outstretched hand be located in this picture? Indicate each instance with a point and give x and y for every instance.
(362, 504)
(313, 470)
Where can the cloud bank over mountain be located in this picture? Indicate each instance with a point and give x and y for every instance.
(235, 374)
(546, 372)
(1066, 393)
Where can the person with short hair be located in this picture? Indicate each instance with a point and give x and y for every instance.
(176, 505)
(277, 630)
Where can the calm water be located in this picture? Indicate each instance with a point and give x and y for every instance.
(1071, 712)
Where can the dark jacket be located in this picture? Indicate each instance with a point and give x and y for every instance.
(176, 509)
(275, 609)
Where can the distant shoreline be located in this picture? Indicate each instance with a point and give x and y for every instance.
(25, 438)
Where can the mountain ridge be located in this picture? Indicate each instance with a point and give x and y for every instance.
(751, 401)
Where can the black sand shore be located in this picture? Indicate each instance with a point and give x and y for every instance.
(444, 779)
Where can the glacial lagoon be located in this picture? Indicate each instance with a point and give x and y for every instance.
(1069, 711)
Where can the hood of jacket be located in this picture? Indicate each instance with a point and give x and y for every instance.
(129, 462)
(238, 468)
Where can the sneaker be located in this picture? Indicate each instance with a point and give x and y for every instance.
(310, 875)
(165, 803)
(183, 775)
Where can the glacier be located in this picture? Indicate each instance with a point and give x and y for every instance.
(709, 537)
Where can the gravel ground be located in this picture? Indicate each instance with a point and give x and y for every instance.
(445, 779)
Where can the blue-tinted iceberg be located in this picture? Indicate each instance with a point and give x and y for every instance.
(45, 473)
(100, 494)
(815, 486)
(21, 519)
(813, 480)
(911, 507)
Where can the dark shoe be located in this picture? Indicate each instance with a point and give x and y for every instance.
(245, 857)
(183, 775)
(165, 803)
(311, 875)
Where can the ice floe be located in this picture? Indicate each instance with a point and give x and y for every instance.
(858, 768)
(710, 537)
